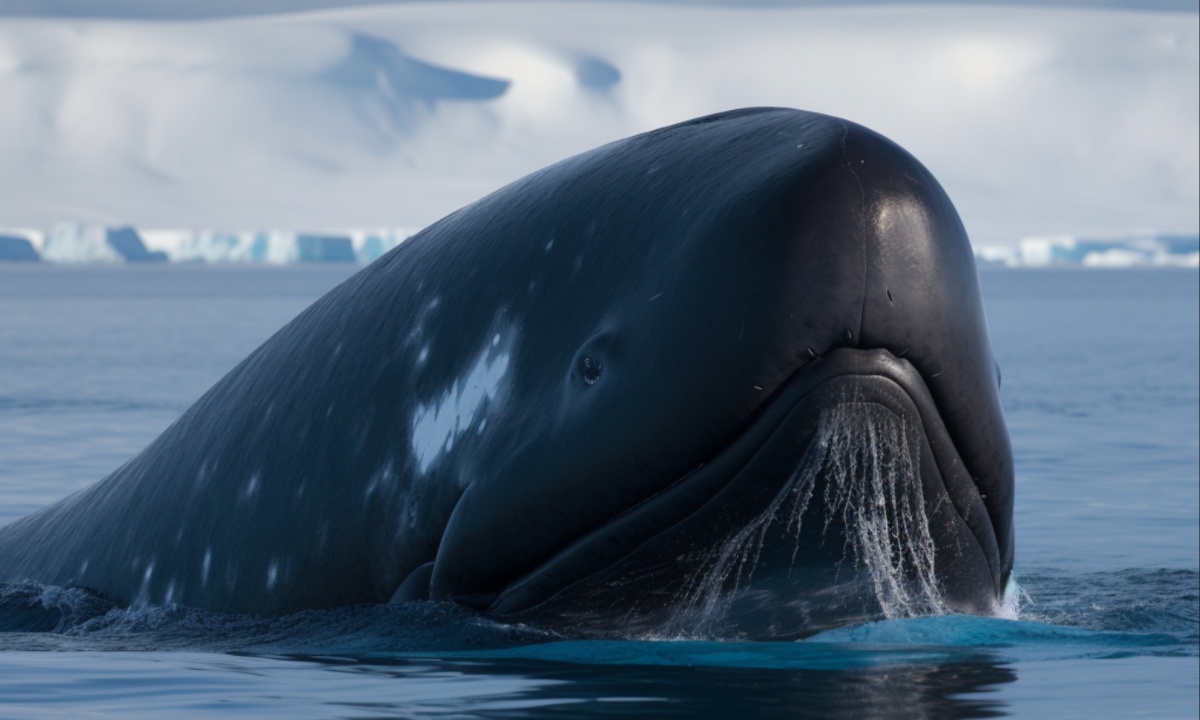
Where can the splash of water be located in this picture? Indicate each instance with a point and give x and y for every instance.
(865, 462)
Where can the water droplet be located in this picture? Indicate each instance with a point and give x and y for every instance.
(864, 472)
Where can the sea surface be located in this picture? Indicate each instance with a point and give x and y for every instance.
(1101, 387)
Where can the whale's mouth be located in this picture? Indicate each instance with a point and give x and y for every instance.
(654, 553)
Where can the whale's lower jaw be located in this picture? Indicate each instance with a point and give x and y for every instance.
(844, 501)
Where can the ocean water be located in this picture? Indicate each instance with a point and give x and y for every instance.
(1101, 386)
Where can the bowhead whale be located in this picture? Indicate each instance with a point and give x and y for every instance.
(729, 375)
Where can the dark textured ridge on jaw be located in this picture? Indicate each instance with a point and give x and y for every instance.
(624, 533)
(607, 545)
(921, 301)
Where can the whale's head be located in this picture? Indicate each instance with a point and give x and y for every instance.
(756, 387)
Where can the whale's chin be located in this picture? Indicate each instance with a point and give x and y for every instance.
(844, 500)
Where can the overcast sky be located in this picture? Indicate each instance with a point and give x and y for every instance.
(191, 9)
(1037, 121)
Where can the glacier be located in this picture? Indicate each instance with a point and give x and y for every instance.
(276, 247)
(16, 248)
(1144, 250)
(92, 243)
(1037, 120)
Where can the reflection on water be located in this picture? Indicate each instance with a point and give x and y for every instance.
(190, 685)
(923, 690)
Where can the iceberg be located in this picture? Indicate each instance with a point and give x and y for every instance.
(275, 247)
(90, 243)
(17, 249)
(1150, 250)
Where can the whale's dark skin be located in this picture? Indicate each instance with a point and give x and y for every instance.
(555, 403)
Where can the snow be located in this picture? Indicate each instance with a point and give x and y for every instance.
(1036, 120)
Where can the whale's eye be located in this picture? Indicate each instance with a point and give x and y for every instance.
(590, 369)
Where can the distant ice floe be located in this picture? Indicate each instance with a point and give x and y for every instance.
(76, 243)
(19, 246)
(275, 247)
(1152, 250)
(81, 243)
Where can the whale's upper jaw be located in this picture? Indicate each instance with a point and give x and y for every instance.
(838, 240)
(619, 564)
(922, 302)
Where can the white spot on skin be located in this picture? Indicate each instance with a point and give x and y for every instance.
(550, 245)
(384, 478)
(205, 566)
(436, 424)
(252, 485)
(202, 474)
(143, 594)
(272, 574)
(423, 355)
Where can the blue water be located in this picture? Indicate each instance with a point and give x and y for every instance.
(1101, 385)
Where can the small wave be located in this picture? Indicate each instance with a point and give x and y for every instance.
(35, 608)
(53, 405)
(40, 617)
(1007, 640)
(1145, 600)
(1134, 612)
